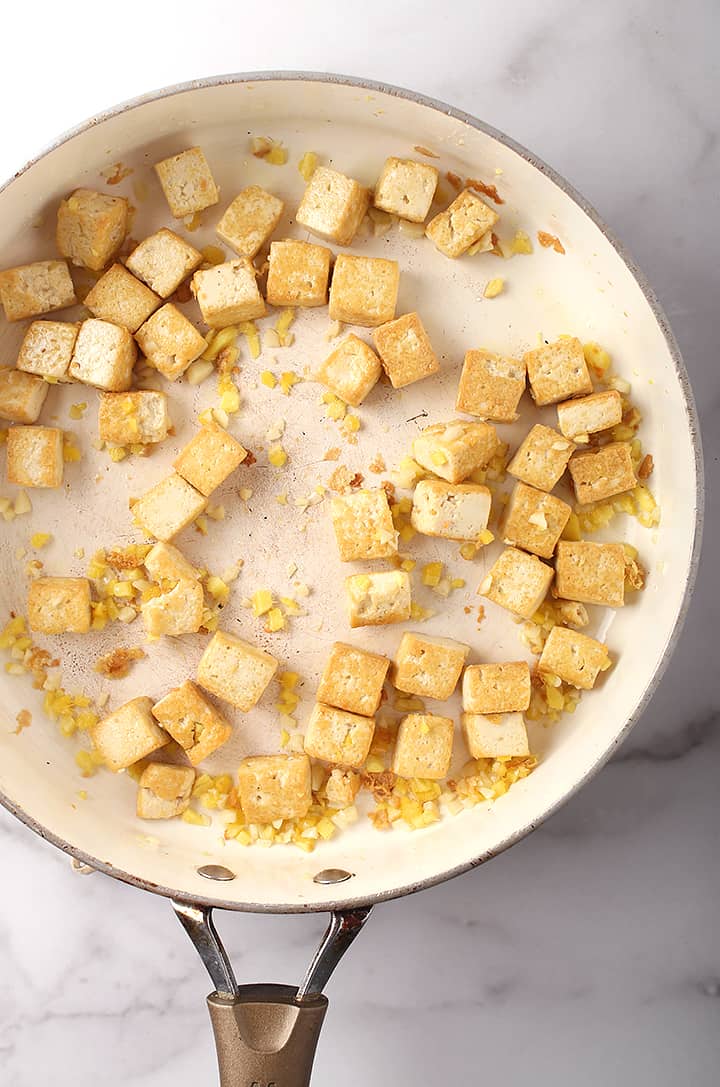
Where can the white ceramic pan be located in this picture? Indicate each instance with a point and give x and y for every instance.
(593, 291)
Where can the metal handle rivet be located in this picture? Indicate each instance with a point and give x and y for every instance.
(332, 875)
(215, 871)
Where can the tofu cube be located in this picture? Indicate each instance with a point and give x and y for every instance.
(187, 182)
(454, 450)
(406, 188)
(164, 562)
(178, 611)
(333, 206)
(364, 290)
(590, 414)
(59, 605)
(377, 599)
(274, 787)
(47, 348)
(339, 737)
(209, 458)
(593, 573)
(235, 670)
(453, 511)
(104, 356)
(250, 220)
(129, 418)
(423, 746)
(33, 289)
(21, 396)
(405, 350)
(128, 735)
(542, 458)
(351, 370)
(170, 342)
(363, 525)
(91, 227)
(429, 667)
(168, 507)
(163, 260)
(192, 721)
(164, 791)
(574, 657)
(518, 582)
(496, 688)
(558, 371)
(462, 224)
(228, 293)
(491, 386)
(353, 679)
(122, 299)
(535, 520)
(35, 456)
(341, 788)
(498, 736)
(298, 274)
(602, 474)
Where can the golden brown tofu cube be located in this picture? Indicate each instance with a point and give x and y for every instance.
(187, 182)
(21, 396)
(602, 474)
(377, 599)
(363, 525)
(228, 293)
(192, 721)
(462, 224)
(128, 734)
(535, 520)
(122, 299)
(542, 458)
(91, 227)
(250, 220)
(163, 260)
(405, 350)
(456, 449)
(35, 456)
(274, 787)
(341, 788)
(423, 747)
(168, 507)
(353, 679)
(558, 371)
(406, 188)
(339, 737)
(104, 356)
(496, 688)
(164, 791)
(592, 573)
(298, 274)
(429, 667)
(454, 511)
(33, 289)
(175, 612)
(47, 348)
(364, 290)
(491, 386)
(590, 414)
(574, 658)
(170, 342)
(133, 417)
(235, 670)
(333, 206)
(351, 370)
(517, 582)
(59, 605)
(497, 736)
(209, 458)
(164, 562)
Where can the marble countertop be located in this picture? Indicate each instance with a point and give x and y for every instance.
(589, 952)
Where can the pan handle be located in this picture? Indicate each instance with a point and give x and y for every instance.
(266, 1035)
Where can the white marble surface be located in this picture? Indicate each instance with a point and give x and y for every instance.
(590, 952)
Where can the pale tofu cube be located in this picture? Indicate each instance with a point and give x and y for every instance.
(498, 736)
(574, 658)
(33, 289)
(454, 450)
(47, 348)
(168, 507)
(91, 227)
(602, 474)
(228, 293)
(353, 679)
(164, 562)
(558, 371)
(333, 206)
(170, 342)
(491, 386)
(235, 670)
(122, 299)
(593, 573)
(377, 599)
(462, 224)
(351, 370)
(298, 274)
(21, 396)
(405, 350)
(453, 511)
(429, 667)
(164, 791)
(542, 458)
(363, 525)
(59, 605)
(423, 746)
(273, 787)
(192, 721)
(341, 788)
(364, 290)
(590, 414)
(104, 356)
(406, 188)
(517, 582)
(209, 458)
(163, 260)
(496, 688)
(535, 520)
(128, 735)
(35, 456)
(250, 220)
(187, 182)
(130, 418)
(178, 611)
(339, 737)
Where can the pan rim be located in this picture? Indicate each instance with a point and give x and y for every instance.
(699, 486)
